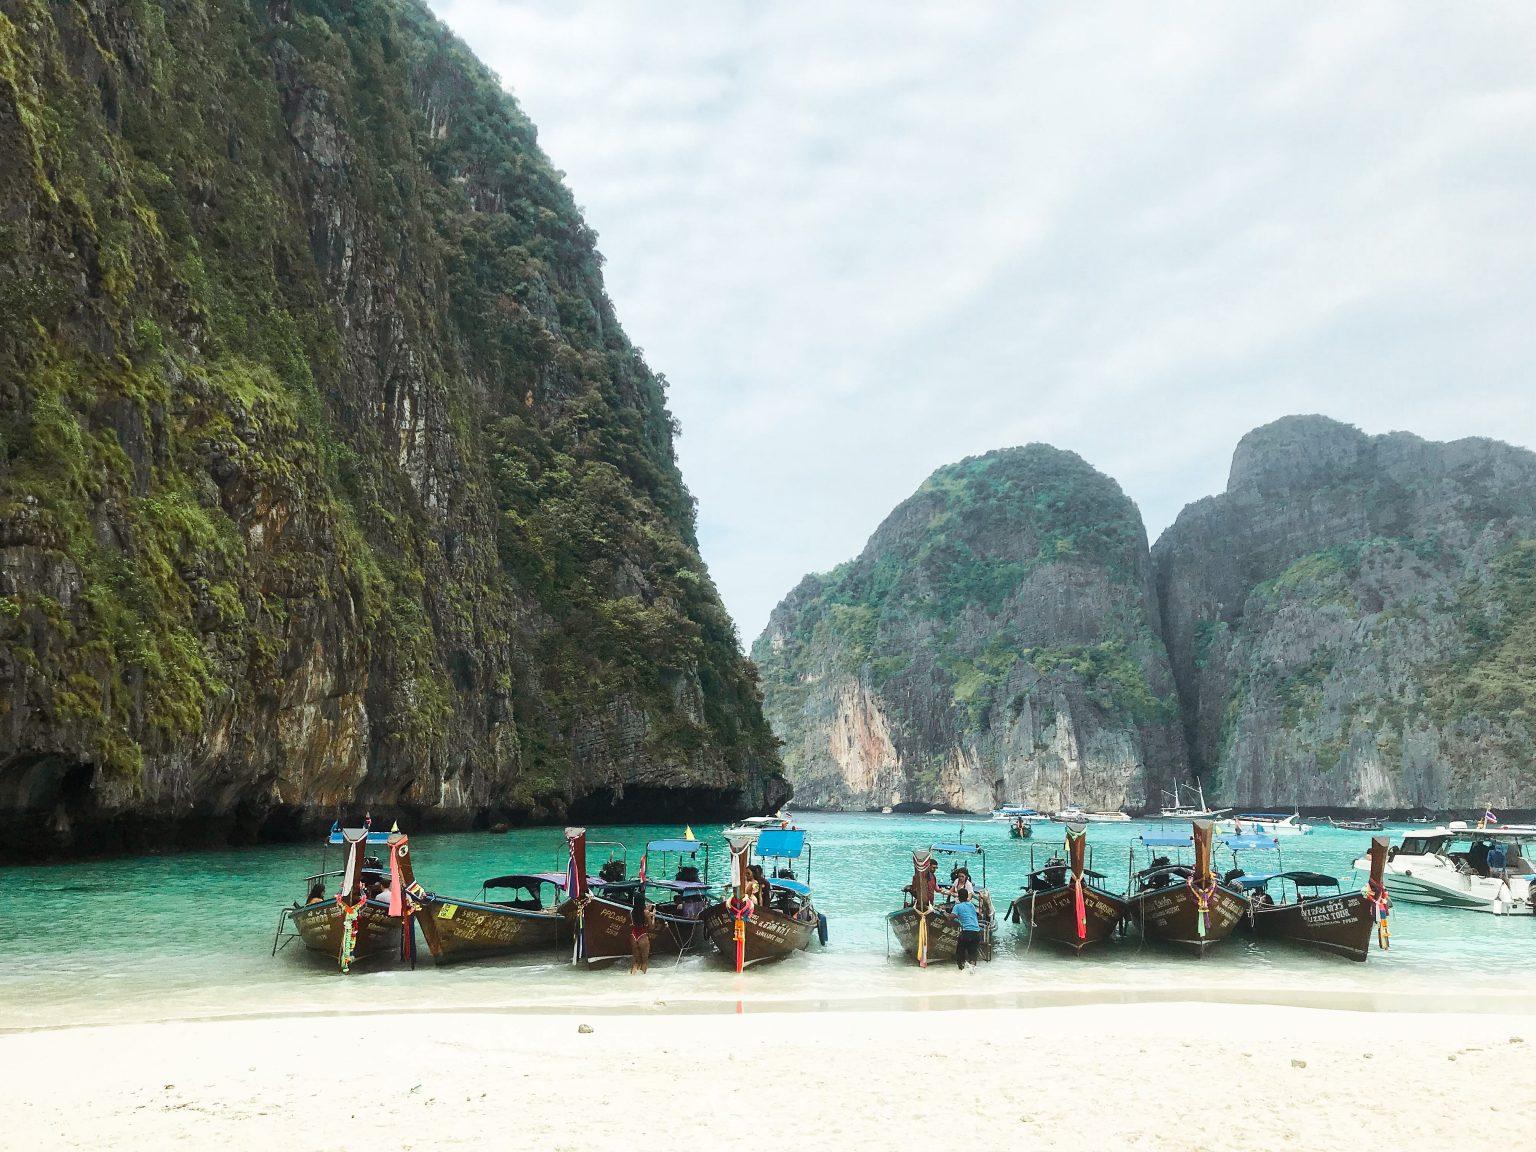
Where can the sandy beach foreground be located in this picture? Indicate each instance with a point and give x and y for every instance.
(1134, 1076)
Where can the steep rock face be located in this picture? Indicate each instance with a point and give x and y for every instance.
(996, 639)
(328, 479)
(1353, 621)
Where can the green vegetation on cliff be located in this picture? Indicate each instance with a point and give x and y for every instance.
(306, 369)
(1005, 580)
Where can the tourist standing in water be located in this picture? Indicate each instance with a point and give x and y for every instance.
(969, 946)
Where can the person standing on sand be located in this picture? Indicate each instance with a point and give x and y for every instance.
(642, 921)
(969, 945)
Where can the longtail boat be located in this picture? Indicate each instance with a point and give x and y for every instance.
(1066, 902)
(610, 908)
(751, 925)
(1336, 921)
(925, 927)
(515, 913)
(1184, 905)
(374, 908)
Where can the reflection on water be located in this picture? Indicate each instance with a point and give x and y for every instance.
(189, 935)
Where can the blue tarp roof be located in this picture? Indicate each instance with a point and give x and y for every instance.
(373, 837)
(785, 842)
(791, 886)
(1247, 842)
(686, 846)
(1165, 840)
(959, 849)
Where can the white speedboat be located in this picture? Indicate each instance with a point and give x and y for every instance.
(1075, 815)
(1011, 812)
(1264, 824)
(1182, 813)
(1480, 869)
(752, 826)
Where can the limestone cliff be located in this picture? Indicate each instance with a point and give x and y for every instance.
(328, 479)
(996, 639)
(1353, 622)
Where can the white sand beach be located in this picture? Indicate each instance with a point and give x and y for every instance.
(1147, 1076)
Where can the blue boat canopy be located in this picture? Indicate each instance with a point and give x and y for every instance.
(687, 847)
(790, 886)
(1165, 840)
(787, 843)
(337, 837)
(1250, 842)
(680, 885)
(958, 849)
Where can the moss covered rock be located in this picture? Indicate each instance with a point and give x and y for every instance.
(995, 640)
(328, 479)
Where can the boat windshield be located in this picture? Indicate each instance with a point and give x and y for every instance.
(1473, 852)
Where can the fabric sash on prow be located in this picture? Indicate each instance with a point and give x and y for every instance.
(1202, 835)
(741, 853)
(403, 887)
(923, 866)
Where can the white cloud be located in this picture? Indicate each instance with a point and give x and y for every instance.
(863, 241)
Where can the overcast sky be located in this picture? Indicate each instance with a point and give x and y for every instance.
(863, 241)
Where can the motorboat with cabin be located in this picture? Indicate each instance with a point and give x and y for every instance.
(925, 925)
(374, 908)
(767, 913)
(753, 825)
(1264, 824)
(1075, 815)
(1066, 901)
(1185, 905)
(1312, 908)
(1482, 869)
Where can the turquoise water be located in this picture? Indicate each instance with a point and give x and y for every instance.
(189, 936)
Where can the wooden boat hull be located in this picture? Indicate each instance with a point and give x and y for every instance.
(770, 935)
(605, 932)
(943, 934)
(1051, 915)
(319, 926)
(468, 929)
(1342, 924)
(1171, 915)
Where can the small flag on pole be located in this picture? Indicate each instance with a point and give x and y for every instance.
(688, 833)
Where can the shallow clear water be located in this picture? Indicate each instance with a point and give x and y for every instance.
(190, 935)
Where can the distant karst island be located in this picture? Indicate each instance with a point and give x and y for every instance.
(1352, 623)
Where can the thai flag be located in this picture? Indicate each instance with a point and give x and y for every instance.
(1489, 817)
(572, 878)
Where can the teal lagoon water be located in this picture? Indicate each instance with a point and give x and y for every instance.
(189, 936)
